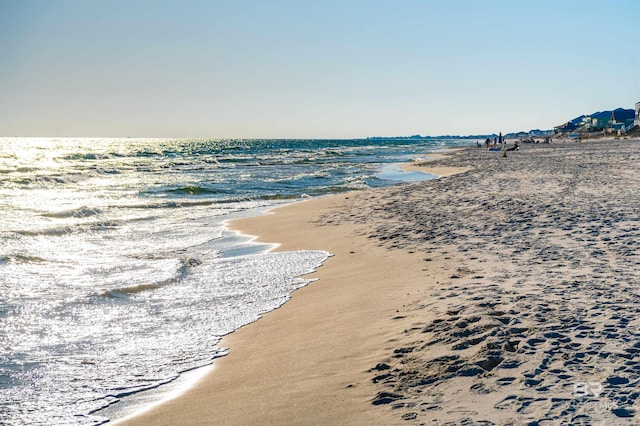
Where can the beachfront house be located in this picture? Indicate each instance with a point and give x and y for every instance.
(619, 120)
(623, 116)
(622, 120)
(598, 121)
(570, 125)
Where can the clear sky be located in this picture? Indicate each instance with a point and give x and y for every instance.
(311, 69)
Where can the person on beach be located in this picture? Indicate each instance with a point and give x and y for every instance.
(515, 147)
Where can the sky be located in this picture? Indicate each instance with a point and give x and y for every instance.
(311, 69)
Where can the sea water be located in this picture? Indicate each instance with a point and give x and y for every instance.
(117, 274)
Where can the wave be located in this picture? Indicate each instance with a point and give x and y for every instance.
(195, 190)
(121, 292)
(126, 291)
(319, 174)
(174, 204)
(147, 153)
(55, 179)
(86, 156)
(54, 232)
(276, 197)
(21, 258)
(83, 211)
(104, 171)
(67, 230)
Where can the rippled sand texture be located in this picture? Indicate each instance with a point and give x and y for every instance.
(539, 318)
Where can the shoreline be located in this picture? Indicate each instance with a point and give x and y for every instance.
(458, 298)
(350, 290)
(148, 401)
(425, 165)
(330, 382)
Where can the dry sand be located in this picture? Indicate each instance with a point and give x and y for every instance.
(508, 294)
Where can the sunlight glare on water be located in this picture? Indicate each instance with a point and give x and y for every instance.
(116, 270)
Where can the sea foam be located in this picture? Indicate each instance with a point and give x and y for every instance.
(116, 271)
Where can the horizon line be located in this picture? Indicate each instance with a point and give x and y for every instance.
(277, 138)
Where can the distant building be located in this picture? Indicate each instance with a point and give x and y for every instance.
(597, 121)
(570, 126)
(600, 120)
(623, 116)
(622, 120)
(619, 120)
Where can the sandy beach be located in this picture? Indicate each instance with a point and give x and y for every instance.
(506, 293)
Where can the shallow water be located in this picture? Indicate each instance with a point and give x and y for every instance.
(116, 271)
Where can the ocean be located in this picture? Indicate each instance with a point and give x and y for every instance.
(117, 273)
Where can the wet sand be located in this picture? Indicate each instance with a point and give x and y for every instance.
(310, 361)
(507, 294)
(428, 165)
